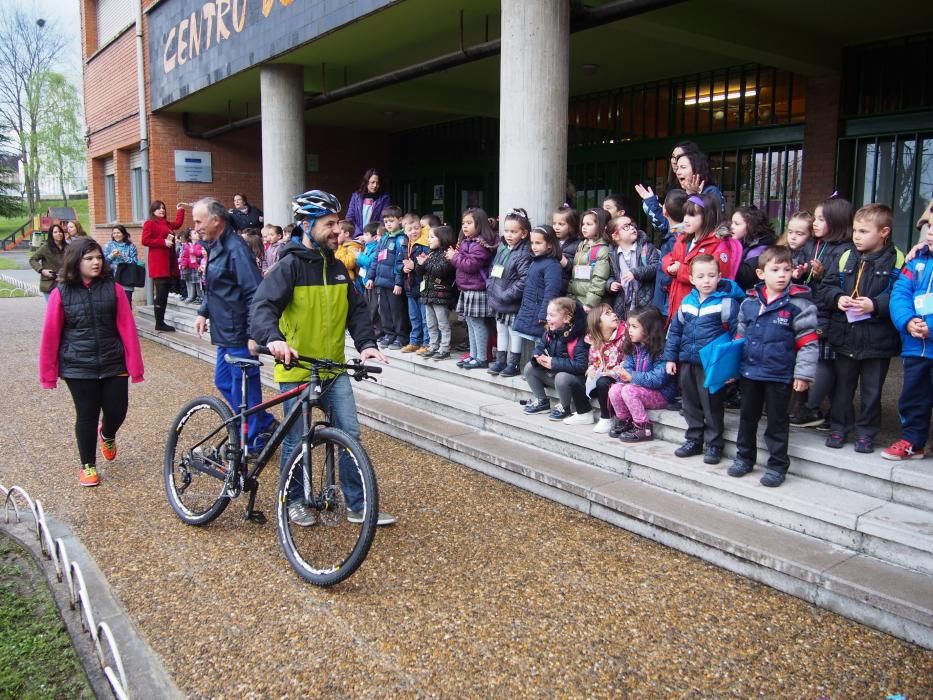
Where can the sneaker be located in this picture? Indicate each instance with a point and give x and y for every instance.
(108, 448)
(807, 418)
(559, 413)
(713, 455)
(301, 515)
(439, 356)
(411, 347)
(424, 351)
(463, 360)
(690, 448)
(537, 406)
(864, 444)
(620, 427)
(476, 364)
(356, 516)
(395, 345)
(603, 425)
(580, 419)
(824, 427)
(640, 432)
(384, 342)
(772, 479)
(87, 475)
(902, 449)
(739, 469)
(835, 440)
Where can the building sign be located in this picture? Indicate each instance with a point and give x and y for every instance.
(193, 166)
(196, 43)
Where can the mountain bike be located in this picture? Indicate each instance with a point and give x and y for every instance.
(207, 463)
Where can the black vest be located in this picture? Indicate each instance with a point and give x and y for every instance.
(91, 347)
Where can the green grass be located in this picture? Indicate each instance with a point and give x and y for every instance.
(38, 660)
(10, 224)
(7, 264)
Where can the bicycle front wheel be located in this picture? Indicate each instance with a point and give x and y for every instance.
(323, 540)
(196, 461)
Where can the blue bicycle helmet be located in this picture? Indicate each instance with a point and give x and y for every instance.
(314, 204)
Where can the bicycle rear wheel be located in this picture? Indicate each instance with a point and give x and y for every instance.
(334, 548)
(196, 464)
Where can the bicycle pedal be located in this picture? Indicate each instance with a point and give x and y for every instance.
(257, 516)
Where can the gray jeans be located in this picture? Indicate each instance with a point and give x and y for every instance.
(507, 339)
(571, 389)
(438, 316)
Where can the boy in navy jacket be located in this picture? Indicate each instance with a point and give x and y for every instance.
(385, 275)
(911, 307)
(778, 322)
(705, 314)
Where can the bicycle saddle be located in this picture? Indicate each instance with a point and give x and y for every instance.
(242, 361)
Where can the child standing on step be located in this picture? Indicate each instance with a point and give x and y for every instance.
(370, 240)
(643, 379)
(605, 333)
(505, 287)
(668, 221)
(861, 334)
(591, 262)
(559, 360)
(542, 284)
(385, 277)
(438, 278)
(418, 340)
(705, 314)
(778, 321)
(471, 259)
(566, 224)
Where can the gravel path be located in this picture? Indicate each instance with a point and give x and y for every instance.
(481, 589)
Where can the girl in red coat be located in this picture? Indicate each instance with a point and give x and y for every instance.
(159, 237)
(702, 219)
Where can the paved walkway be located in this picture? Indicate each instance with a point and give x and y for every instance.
(481, 589)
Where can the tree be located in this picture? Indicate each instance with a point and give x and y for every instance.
(61, 144)
(28, 49)
(10, 202)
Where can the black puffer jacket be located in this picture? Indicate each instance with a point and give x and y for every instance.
(567, 346)
(875, 337)
(505, 291)
(828, 254)
(90, 347)
(438, 275)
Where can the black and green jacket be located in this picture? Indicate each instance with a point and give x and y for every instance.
(308, 300)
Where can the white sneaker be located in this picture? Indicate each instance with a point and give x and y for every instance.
(581, 419)
(603, 425)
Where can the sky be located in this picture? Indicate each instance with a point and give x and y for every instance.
(66, 15)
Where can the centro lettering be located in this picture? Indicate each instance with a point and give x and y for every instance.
(207, 25)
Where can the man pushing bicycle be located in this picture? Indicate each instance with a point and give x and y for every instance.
(304, 305)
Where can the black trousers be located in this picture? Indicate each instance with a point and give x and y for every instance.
(916, 400)
(393, 309)
(161, 286)
(756, 395)
(93, 397)
(703, 411)
(602, 394)
(372, 304)
(868, 376)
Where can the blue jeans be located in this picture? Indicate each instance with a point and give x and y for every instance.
(227, 380)
(338, 402)
(418, 320)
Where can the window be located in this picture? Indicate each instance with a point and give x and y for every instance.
(110, 191)
(113, 16)
(136, 186)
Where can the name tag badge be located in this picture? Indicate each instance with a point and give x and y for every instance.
(923, 304)
(582, 272)
(362, 273)
(383, 254)
(424, 285)
(855, 315)
(497, 271)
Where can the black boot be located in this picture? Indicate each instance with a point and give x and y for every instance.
(511, 368)
(499, 364)
(160, 324)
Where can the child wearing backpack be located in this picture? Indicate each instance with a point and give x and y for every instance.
(566, 224)
(668, 221)
(505, 288)
(542, 283)
(370, 240)
(438, 293)
(605, 333)
(633, 263)
(385, 276)
(860, 330)
(591, 262)
(708, 312)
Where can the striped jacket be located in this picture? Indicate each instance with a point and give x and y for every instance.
(698, 323)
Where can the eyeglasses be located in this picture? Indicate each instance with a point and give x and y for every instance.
(628, 227)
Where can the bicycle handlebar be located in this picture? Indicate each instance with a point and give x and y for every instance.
(356, 367)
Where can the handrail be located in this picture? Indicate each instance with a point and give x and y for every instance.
(14, 238)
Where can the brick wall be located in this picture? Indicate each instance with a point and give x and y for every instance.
(819, 141)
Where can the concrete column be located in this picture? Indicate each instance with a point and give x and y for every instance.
(533, 96)
(283, 140)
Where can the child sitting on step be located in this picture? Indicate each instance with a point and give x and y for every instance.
(605, 333)
(643, 379)
(560, 360)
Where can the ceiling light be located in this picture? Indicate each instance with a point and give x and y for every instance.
(719, 97)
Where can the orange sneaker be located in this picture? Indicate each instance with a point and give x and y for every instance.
(411, 347)
(87, 475)
(107, 447)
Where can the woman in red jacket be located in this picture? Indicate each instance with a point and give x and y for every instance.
(159, 237)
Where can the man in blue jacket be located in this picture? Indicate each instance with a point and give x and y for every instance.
(232, 278)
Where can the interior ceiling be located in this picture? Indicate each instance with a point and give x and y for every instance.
(694, 36)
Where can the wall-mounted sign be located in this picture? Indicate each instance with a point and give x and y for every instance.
(193, 166)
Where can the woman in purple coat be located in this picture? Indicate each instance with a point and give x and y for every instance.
(367, 203)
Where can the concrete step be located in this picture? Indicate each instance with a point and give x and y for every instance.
(607, 480)
(908, 483)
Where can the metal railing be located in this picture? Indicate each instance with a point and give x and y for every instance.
(69, 573)
(13, 239)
